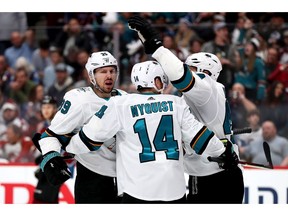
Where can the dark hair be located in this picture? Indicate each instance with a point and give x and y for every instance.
(44, 44)
(32, 95)
(271, 99)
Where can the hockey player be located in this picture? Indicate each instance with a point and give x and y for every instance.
(208, 183)
(45, 192)
(96, 171)
(150, 128)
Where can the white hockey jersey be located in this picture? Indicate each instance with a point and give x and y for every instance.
(149, 133)
(208, 103)
(78, 106)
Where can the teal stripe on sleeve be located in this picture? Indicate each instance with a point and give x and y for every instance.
(91, 145)
(63, 139)
(186, 82)
(201, 140)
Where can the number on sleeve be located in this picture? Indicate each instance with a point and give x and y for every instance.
(101, 112)
(65, 106)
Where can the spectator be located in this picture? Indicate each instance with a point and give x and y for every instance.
(73, 36)
(81, 76)
(262, 51)
(63, 83)
(280, 74)
(10, 114)
(22, 62)
(274, 32)
(18, 49)
(183, 36)
(121, 29)
(41, 59)
(49, 71)
(225, 51)
(2, 101)
(5, 75)
(205, 19)
(274, 108)
(17, 147)
(252, 76)
(33, 108)
(81, 59)
(71, 58)
(10, 22)
(278, 146)
(169, 43)
(271, 61)
(30, 39)
(253, 119)
(21, 88)
(195, 45)
(284, 48)
(242, 32)
(240, 105)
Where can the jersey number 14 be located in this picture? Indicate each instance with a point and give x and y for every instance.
(163, 140)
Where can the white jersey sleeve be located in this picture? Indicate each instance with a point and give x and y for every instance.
(73, 113)
(197, 137)
(99, 129)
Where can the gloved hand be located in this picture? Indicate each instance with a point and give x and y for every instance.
(55, 168)
(147, 34)
(35, 139)
(37, 173)
(228, 159)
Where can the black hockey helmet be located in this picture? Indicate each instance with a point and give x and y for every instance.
(48, 100)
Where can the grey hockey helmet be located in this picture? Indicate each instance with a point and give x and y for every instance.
(98, 60)
(144, 73)
(204, 61)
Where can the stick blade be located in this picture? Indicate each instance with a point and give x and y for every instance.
(266, 148)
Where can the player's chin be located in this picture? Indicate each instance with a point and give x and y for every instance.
(108, 88)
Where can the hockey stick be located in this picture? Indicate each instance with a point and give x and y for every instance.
(256, 165)
(244, 163)
(242, 130)
(267, 152)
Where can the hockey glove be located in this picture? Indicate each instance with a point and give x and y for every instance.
(147, 34)
(55, 168)
(228, 159)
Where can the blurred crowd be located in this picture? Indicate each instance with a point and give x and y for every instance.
(45, 54)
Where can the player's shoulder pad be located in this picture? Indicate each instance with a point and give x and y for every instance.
(78, 91)
(78, 96)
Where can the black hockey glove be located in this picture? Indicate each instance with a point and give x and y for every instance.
(228, 159)
(55, 168)
(147, 34)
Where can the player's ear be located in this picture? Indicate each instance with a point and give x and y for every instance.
(158, 83)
